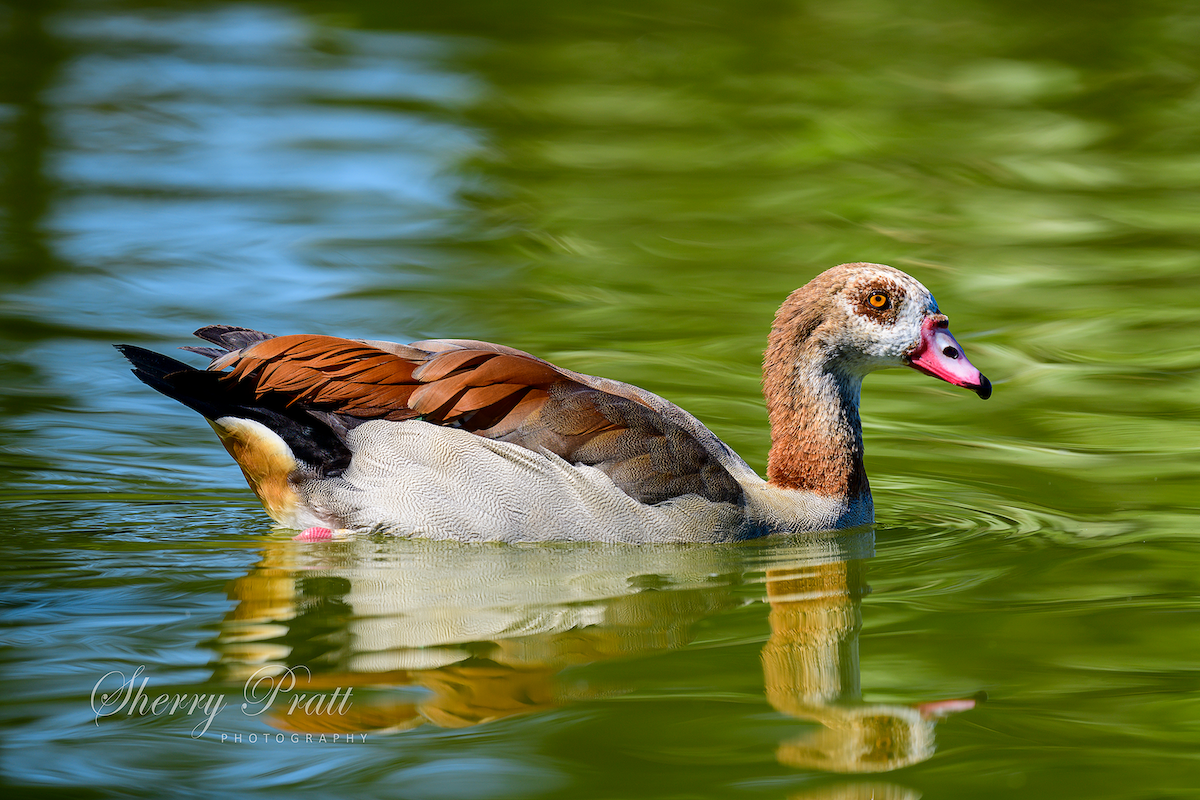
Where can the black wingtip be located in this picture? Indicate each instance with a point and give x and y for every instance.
(231, 337)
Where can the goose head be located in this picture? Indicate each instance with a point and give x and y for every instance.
(878, 317)
(829, 334)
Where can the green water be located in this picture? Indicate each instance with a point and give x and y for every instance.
(629, 191)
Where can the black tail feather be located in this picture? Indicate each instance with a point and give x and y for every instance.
(315, 437)
(154, 369)
(150, 362)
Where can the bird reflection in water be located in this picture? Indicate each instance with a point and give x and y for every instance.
(459, 635)
(810, 667)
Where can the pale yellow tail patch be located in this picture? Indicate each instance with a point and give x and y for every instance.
(266, 461)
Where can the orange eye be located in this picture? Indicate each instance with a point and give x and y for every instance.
(878, 300)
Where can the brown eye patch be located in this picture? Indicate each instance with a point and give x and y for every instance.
(880, 300)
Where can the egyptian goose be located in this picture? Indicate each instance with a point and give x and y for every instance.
(460, 439)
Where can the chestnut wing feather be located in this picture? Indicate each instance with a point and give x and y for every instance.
(492, 391)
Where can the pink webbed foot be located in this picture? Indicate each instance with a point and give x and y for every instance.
(313, 535)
